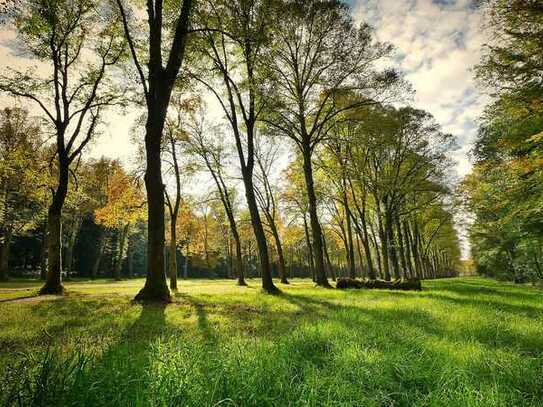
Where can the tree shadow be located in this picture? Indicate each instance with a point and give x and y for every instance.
(204, 326)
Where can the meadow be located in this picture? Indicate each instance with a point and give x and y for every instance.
(459, 342)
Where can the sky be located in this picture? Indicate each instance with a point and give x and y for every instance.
(437, 43)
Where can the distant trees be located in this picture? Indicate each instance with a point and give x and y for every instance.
(22, 183)
(503, 192)
(318, 59)
(124, 207)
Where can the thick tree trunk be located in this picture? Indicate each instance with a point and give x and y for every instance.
(4, 256)
(320, 273)
(155, 288)
(53, 281)
(173, 254)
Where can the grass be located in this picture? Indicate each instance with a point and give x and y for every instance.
(459, 342)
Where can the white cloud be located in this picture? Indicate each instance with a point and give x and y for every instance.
(437, 42)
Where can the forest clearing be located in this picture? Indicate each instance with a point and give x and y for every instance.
(459, 342)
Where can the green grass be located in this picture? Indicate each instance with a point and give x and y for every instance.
(459, 342)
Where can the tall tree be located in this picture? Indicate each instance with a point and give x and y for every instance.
(214, 155)
(168, 21)
(235, 50)
(79, 41)
(318, 56)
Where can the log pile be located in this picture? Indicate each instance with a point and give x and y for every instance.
(404, 285)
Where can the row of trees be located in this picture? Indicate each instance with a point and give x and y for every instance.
(365, 178)
(504, 191)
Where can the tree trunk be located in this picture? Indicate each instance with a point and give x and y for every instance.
(328, 262)
(173, 254)
(384, 246)
(98, 259)
(282, 268)
(407, 240)
(4, 256)
(119, 262)
(416, 251)
(309, 250)
(130, 256)
(389, 230)
(377, 253)
(260, 236)
(320, 273)
(155, 288)
(53, 281)
(349, 232)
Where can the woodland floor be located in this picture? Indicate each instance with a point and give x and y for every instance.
(459, 342)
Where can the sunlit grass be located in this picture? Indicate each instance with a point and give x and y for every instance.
(459, 342)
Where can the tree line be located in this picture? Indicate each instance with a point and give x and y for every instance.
(504, 192)
(319, 167)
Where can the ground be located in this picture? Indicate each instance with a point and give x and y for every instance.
(459, 342)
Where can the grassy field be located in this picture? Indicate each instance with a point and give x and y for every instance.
(459, 342)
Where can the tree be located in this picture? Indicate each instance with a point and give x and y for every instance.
(266, 159)
(214, 156)
(235, 50)
(22, 184)
(176, 136)
(79, 40)
(166, 21)
(318, 57)
(124, 208)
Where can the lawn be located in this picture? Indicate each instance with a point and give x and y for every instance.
(459, 342)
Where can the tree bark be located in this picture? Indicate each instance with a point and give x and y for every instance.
(320, 273)
(260, 236)
(53, 281)
(155, 288)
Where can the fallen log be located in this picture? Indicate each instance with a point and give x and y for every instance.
(404, 285)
